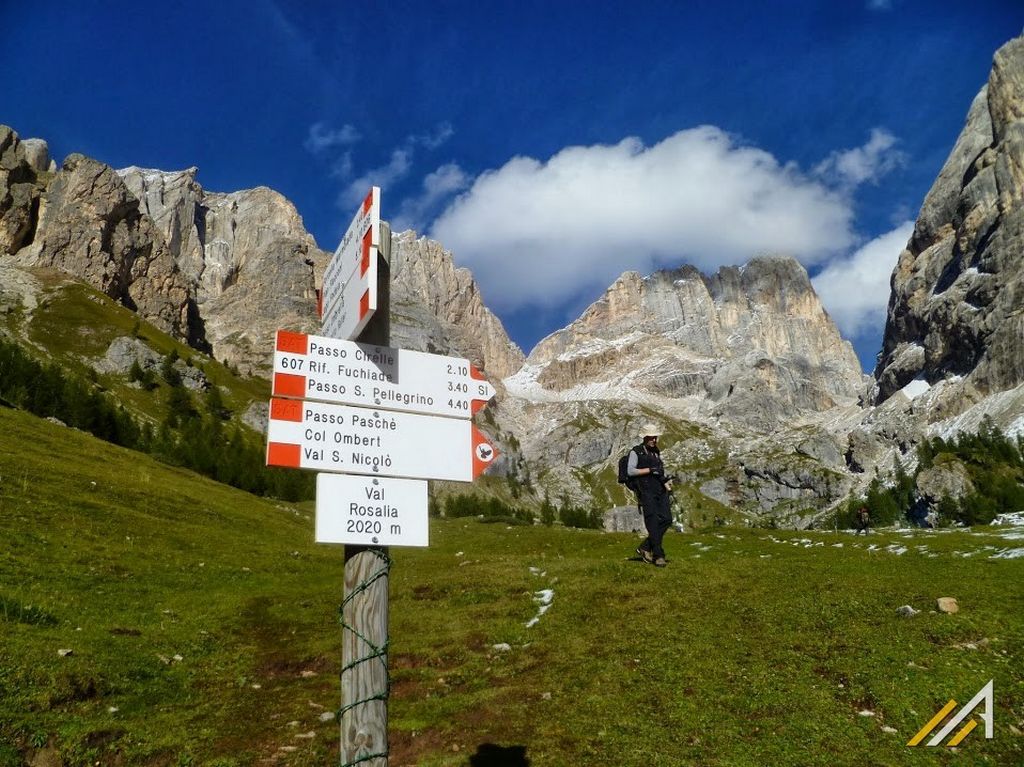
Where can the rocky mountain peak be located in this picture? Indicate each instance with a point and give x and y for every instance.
(437, 307)
(19, 190)
(753, 339)
(86, 222)
(246, 257)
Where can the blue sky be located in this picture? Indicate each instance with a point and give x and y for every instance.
(550, 145)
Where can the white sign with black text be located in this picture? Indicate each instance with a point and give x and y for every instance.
(348, 373)
(371, 511)
(303, 434)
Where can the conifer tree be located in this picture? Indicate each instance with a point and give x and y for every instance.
(547, 510)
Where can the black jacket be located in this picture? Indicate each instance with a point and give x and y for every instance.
(648, 484)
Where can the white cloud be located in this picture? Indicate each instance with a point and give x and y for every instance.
(438, 186)
(441, 133)
(880, 5)
(342, 166)
(541, 232)
(396, 168)
(333, 144)
(855, 290)
(868, 163)
(321, 138)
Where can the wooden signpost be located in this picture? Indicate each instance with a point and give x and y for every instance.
(364, 642)
(380, 421)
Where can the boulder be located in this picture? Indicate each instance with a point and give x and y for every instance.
(37, 155)
(257, 416)
(947, 605)
(823, 448)
(123, 352)
(948, 479)
(863, 450)
(624, 519)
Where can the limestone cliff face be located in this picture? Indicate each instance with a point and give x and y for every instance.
(438, 308)
(753, 341)
(86, 222)
(958, 289)
(21, 165)
(246, 258)
(223, 271)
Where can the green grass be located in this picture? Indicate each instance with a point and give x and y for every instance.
(750, 648)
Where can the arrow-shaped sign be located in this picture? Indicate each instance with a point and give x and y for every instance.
(325, 437)
(349, 294)
(347, 373)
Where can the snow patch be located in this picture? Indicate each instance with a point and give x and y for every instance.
(543, 598)
(1008, 554)
(1016, 519)
(1001, 407)
(916, 388)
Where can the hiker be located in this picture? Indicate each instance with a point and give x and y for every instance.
(863, 520)
(653, 488)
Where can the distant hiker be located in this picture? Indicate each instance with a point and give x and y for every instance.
(652, 487)
(863, 520)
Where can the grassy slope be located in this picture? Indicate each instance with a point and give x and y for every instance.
(136, 561)
(74, 321)
(757, 651)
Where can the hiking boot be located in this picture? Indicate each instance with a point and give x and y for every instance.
(660, 562)
(645, 555)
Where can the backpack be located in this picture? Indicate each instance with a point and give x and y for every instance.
(624, 478)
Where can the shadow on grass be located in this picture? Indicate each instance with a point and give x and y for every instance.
(490, 755)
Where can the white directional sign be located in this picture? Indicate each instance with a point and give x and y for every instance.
(354, 307)
(333, 370)
(349, 293)
(371, 511)
(325, 437)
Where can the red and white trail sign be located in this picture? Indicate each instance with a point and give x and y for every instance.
(355, 440)
(348, 373)
(349, 293)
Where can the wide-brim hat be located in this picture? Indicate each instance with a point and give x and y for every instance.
(650, 430)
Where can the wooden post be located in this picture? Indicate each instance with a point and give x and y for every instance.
(364, 676)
